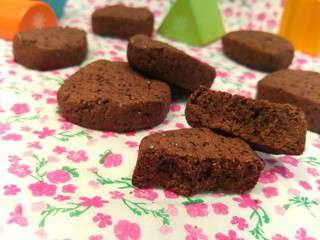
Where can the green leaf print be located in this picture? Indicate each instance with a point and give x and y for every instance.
(262, 218)
(138, 209)
(190, 201)
(59, 81)
(21, 119)
(65, 136)
(40, 164)
(312, 161)
(301, 202)
(123, 182)
(73, 171)
(103, 156)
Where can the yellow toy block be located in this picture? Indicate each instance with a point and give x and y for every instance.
(300, 24)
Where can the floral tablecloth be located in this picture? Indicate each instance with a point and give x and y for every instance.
(60, 181)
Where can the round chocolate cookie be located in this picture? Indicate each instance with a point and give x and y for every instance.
(111, 96)
(50, 48)
(121, 21)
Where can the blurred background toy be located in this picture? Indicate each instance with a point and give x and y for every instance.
(299, 24)
(193, 21)
(20, 15)
(57, 6)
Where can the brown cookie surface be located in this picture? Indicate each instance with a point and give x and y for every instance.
(268, 127)
(121, 21)
(196, 160)
(166, 63)
(50, 48)
(258, 50)
(297, 87)
(111, 96)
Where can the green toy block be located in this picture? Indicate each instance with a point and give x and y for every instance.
(196, 22)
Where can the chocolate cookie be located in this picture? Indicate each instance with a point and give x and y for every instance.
(111, 96)
(267, 127)
(258, 50)
(297, 87)
(121, 21)
(50, 48)
(196, 160)
(163, 62)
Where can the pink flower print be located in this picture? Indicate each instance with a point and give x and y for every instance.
(148, 194)
(267, 176)
(240, 222)
(301, 234)
(313, 171)
(66, 126)
(222, 74)
(261, 16)
(305, 185)
(172, 210)
(290, 160)
(69, 188)
(20, 108)
(108, 134)
(271, 23)
(17, 218)
(116, 194)
(270, 192)
(12, 136)
(62, 197)
(220, 208)
(58, 176)
(39, 189)
(232, 235)
(245, 201)
(228, 12)
(4, 127)
(125, 230)
(180, 125)
(35, 145)
(294, 191)
(46, 132)
(283, 171)
(11, 189)
(197, 209)
(131, 144)
(279, 237)
(41, 233)
(14, 159)
(59, 150)
(36, 96)
(20, 170)
(194, 233)
(77, 156)
(170, 195)
(112, 160)
(96, 237)
(175, 108)
(96, 202)
(165, 229)
(102, 219)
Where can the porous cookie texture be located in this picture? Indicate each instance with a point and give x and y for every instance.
(50, 48)
(266, 126)
(258, 50)
(297, 87)
(196, 160)
(122, 21)
(111, 96)
(166, 63)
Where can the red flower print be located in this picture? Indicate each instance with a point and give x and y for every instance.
(175, 108)
(96, 237)
(96, 202)
(112, 160)
(246, 201)
(290, 160)
(270, 192)
(39, 189)
(62, 197)
(131, 144)
(12, 137)
(232, 235)
(267, 176)
(283, 171)
(46, 132)
(197, 209)
(58, 176)
(279, 237)
(305, 185)
(194, 233)
(170, 195)
(220, 208)
(69, 188)
(116, 194)
(77, 156)
(108, 134)
(20, 170)
(125, 230)
(20, 108)
(59, 150)
(102, 220)
(148, 194)
(11, 189)
(301, 234)
(240, 222)
(4, 127)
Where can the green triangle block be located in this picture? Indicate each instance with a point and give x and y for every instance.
(197, 22)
